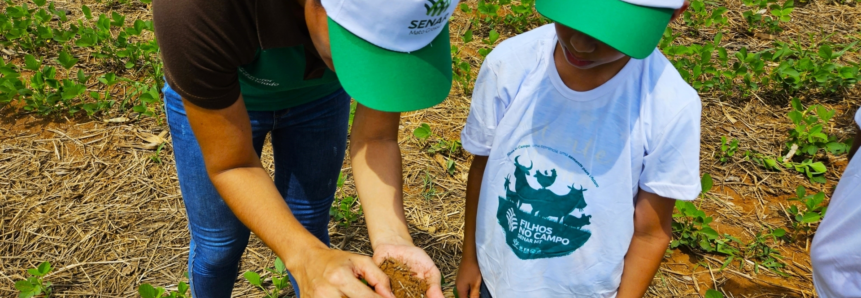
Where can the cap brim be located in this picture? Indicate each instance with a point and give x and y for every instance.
(632, 29)
(392, 81)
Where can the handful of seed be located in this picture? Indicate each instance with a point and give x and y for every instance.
(404, 283)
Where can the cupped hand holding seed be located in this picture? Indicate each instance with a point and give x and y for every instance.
(330, 273)
(417, 259)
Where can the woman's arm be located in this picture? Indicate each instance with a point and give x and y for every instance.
(653, 217)
(376, 161)
(235, 170)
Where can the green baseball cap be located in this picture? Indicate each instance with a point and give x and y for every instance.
(395, 57)
(634, 27)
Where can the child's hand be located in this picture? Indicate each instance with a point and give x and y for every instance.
(468, 282)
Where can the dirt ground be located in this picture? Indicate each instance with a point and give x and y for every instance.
(95, 198)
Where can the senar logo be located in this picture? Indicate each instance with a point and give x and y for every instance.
(437, 7)
(436, 19)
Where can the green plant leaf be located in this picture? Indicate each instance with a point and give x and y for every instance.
(278, 283)
(159, 292)
(182, 288)
(836, 148)
(825, 52)
(87, 12)
(81, 77)
(279, 266)
(818, 179)
(252, 278)
(147, 291)
(467, 36)
(818, 167)
(44, 268)
(108, 79)
(800, 192)
(33, 271)
(710, 233)
(492, 37)
(27, 294)
(422, 132)
(796, 117)
(31, 63)
(140, 109)
(24, 286)
(811, 217)
(779, 233)
(117, 20)
(714, 294)
(796, 104)
(818, 198)
(707, 183)
(66, 60)
(85, 41)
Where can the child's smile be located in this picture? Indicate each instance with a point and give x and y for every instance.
(583, 62)
(574, 60)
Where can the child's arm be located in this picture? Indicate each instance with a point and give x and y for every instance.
(653, 217)
(468, 276)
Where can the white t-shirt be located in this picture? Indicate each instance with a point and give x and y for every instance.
(836, 249)
(556, 211)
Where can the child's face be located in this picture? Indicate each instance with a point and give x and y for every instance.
(584, 52)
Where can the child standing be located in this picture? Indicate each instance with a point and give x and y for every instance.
(584, 135)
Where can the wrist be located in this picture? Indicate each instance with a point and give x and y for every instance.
(391, 239)
(468, 254)
(296, 259)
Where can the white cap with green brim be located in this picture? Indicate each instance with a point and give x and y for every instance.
(390, 55)
(634, 27)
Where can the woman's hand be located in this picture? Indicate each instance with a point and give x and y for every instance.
(468, 282)
(329, 273)
(418, 261)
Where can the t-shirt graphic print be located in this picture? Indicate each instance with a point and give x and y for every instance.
(545, 227)
(556, 210)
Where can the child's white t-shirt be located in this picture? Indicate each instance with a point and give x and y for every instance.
(836, 249)
(556, 210)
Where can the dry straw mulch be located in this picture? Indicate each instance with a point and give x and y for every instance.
(87, 196)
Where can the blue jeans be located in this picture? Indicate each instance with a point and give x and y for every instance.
(484, 293)
(308, 142)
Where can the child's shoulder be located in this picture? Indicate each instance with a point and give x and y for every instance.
(668, 96)
(527, 49)
(666, 86)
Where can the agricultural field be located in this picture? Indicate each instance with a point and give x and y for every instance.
(88, 183)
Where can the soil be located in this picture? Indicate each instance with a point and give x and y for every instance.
(90, 196)
(404, 283)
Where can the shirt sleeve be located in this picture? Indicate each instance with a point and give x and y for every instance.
(485, 111)
(671, 168)
(202, 45)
